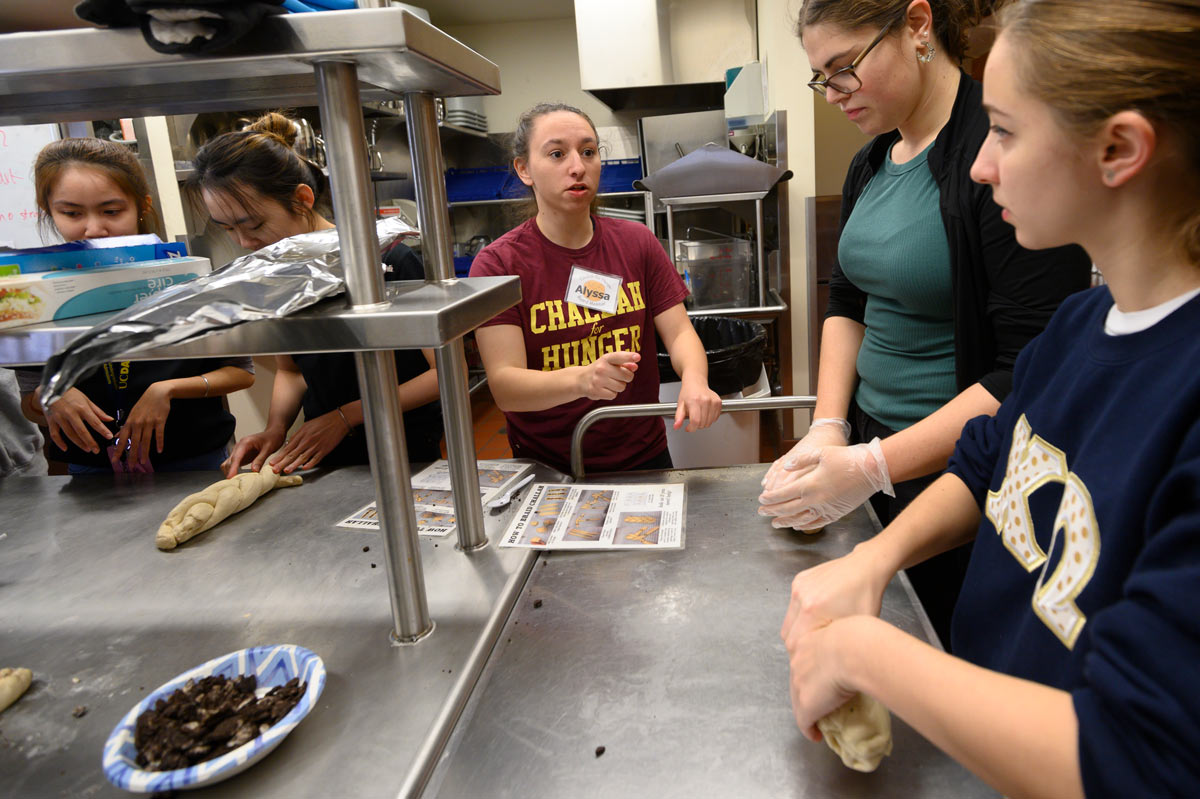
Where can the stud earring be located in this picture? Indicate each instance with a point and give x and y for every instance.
(929, 53)
(1110, 175)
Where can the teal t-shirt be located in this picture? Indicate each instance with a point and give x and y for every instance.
(894, 248)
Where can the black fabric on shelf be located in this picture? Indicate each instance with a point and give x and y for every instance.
(234, 19)
(113, 13)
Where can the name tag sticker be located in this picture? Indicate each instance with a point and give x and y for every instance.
(595, 290)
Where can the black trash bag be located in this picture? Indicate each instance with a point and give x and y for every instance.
(735, 353)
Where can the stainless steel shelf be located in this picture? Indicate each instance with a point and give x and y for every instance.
(420, 315)
(710, 199)
(60, 76)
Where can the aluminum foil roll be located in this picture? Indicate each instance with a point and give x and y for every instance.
(269, 283)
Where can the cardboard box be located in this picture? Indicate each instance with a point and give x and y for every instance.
(89, 254)
(45, 296)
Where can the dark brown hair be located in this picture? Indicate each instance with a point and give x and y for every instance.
(519, 147)
(1138, 55)
(114, 161)
(952, 19)
(261, 158)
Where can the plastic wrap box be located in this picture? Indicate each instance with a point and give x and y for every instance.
(45, 296)
(717, 271)
(89, 254)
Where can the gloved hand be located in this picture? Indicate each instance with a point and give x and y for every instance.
(824, 432)
(843, 479)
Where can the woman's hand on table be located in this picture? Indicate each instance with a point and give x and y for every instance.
(146, 426)
(698, 404)
(850, 586)
(841, 479)
(314, 439)
(816, 675)
(257, 446)
(802, 458)
(70, 418)
(608, 375)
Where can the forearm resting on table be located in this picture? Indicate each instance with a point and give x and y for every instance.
(837, 375)
(926, 447)
(942, 517)
(1020, 737)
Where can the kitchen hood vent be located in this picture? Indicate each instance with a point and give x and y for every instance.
(677, 98)
(658, 56)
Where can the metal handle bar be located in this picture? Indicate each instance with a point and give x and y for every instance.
(668, 409)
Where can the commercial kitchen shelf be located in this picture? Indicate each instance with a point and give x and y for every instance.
(333, 60)
(62, 76)
(419, 314)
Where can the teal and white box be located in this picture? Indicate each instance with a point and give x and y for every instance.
(46, 296)
(89, 254)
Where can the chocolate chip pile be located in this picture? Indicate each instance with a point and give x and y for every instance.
(207, 718)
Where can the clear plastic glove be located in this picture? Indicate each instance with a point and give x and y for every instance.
(823, 432)
(844, 478)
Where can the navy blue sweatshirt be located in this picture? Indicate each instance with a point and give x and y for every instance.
(1085, 574)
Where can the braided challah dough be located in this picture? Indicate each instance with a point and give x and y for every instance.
(205, 509)
(860, 732)
(13, 683)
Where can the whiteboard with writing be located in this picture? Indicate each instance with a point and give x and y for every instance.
(19, 146)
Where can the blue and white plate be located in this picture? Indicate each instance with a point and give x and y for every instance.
(273, 665)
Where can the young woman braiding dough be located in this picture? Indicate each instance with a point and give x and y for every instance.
(132, 415)
(260, 190)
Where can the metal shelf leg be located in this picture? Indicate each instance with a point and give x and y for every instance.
(434, 221)
(341, 121)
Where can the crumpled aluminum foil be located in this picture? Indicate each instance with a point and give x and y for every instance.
(269, 283)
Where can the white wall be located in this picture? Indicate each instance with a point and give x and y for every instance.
(837, 139)
(539, 62)
(787, 74)
(710, 36)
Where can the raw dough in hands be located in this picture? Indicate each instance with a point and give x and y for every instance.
(860, 732)
(205, 509)
(13, 683)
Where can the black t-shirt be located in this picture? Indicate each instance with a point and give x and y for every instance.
(193, 427)
(332, 379)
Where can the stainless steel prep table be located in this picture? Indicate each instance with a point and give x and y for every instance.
(103, 618)
(672, 661)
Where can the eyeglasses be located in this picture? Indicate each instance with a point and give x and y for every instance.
(845, 80)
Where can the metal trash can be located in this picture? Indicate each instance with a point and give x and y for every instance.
(735, 350)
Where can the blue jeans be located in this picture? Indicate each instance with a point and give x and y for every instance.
(204, 462)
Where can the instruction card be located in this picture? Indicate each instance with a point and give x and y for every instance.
(434, 501)
(581, 516)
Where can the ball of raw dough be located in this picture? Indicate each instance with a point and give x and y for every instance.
(860, 732)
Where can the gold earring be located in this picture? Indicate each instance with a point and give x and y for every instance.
(929, 53)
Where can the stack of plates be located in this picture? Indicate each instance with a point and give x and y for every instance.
(632, 214)
(465, 112)
(467, 119)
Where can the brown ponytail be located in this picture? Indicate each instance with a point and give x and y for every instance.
(519, 148)
(1089, 61)
(260, 157)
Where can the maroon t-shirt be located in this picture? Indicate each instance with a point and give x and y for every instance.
(559, 334)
